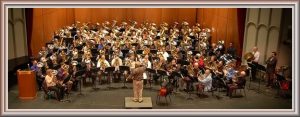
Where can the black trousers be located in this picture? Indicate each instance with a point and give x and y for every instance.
(59, 90)
(254, 70)
(40, 82)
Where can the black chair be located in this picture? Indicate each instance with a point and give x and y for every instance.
(48, 94)
(241, 87)
(168, 89)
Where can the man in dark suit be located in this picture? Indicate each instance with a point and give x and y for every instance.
(231, 50)
(271, 66)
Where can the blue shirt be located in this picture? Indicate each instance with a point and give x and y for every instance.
(34, 68)
(100, 47)
(230, 74)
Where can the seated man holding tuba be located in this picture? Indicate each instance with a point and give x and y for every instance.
(204, 82)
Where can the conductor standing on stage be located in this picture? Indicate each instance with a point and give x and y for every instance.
(137, 77)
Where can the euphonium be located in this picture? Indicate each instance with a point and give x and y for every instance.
(191, 70)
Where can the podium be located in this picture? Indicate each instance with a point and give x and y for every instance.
(146, 104)
(27, 84)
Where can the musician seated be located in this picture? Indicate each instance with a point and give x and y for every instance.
(102, 64)
(63, 73)
(230, 73)
(51, 84)
(117, 62)
(39, 74)
(204, 82)
(73, 71)
(237, 82)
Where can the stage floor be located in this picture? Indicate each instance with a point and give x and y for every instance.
(105, 98)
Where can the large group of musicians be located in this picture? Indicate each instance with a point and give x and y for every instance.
(177, 55)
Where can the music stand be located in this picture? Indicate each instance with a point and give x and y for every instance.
(109, 70)
(139, 52)
(56, 67)
(169, 59)
(64, 82)
(123, 69)
(94, 51)
(176, 76)
(125, 52)
(94, 70)
(67, 79)
(153, 51)
(261, 68)
(251, 65)
(55, 49)
(68, 41)
(183, 62)
(195, 52)
(162, 73)
(122, 30)
(134, 44)
(48, 55)
(79, 74)
(79, 47)
(80, 52)
(49, 43)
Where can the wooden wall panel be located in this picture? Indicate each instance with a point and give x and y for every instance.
(156, 15)
(45, 22)
(222, 21)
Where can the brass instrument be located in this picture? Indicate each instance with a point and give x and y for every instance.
(190, 70)
(249, 57)
(146, 51)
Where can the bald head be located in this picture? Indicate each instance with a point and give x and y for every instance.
(255, 49)
(243, 73)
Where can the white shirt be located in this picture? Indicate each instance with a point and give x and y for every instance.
(106, 63)
(207, 82)
(256, 56)
(49, 81)
(145, 76)
(166, 55)
(113, 63)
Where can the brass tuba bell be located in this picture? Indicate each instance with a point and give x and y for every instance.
(249, 56)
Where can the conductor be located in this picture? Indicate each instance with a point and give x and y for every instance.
(137, 77)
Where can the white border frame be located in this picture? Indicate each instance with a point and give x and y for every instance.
(153, 4)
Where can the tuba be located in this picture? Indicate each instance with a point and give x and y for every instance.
(249, 57)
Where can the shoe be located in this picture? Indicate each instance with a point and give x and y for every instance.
(140, 101)
(135, 100)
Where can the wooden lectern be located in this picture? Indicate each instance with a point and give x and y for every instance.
(27, 84)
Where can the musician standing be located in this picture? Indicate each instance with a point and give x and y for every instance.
(231, 50)
(137, 76)
(271, 65)
(256, 54)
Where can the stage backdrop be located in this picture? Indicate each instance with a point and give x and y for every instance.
(226, 23)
